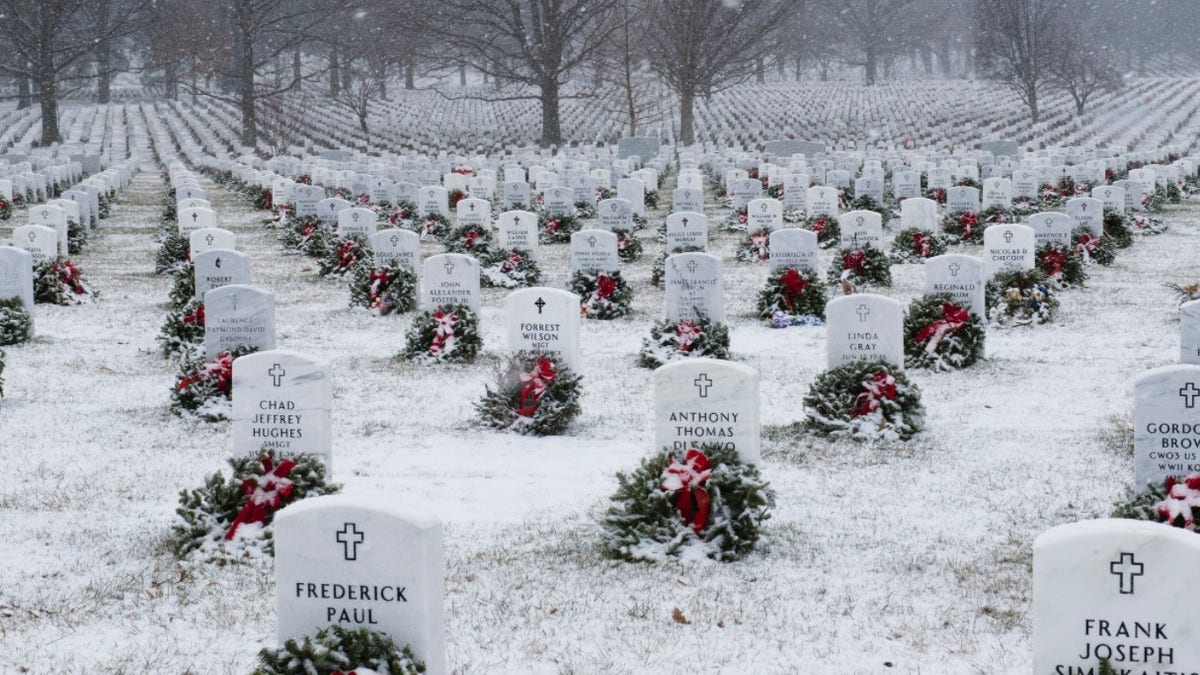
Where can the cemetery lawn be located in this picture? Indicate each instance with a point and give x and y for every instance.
(889, 558)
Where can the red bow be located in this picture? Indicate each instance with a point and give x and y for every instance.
(196, 317)
(968, 221)
(536, 381)
(398, 214)
(1181, 498)
(939, 195)
(819, 226)
(688, 332)
(470, 239)
(552, 225)
(379, 282)
(308, 230)
(364, 198)
(510, 263)
(1053, 260)
(686, 479)
(921, 244)
(793, 286)
(267, 493)
(348, 254)
(742, 218)
(456, 196)
(68, 274)
(443, 334)
(605, 286)
(220, 369)
(953, 318)
(760, 243)
(882, 386)
(854, 261)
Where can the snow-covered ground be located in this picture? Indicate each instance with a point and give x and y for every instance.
(891, 558)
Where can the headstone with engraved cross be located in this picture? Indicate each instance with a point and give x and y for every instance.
(1052, 227)
(195, 218)
(1008, 248)
(686, 230)
(236, 316)
(356, 222)
(544, 321)
(517, 230)
(476, 212)
(864, 326)
(859, 229)
(450, 279)
(594, 251)
(687, 199)
(397, 246)
(1088, 213)
(360, 561)
(959, 275)
(282, 401)
(209, 238)
(694, 286)
(615, 214)
(707, 403)
(1166, 424)
(220, 267)
(1116, 590)
(822, 201)
(329, 208)
(764, 214)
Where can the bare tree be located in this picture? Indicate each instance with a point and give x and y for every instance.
(627, 85)
(1082, 70)
(1015, 45)
(699, 47)
(47, 40)
(531, 47)
(877, 30)
(363, 90)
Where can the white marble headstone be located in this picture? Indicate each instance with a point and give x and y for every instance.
(39, 241)
(960, 276)
(16, 276)
(356, 222)
(686, 230)
(397, 246)
(594, 251)
(693, 286)
(220, 267)
(518, 230)
(615, 214)
(282, 401)
(544, 321)
(859, 229)
(793, 248)
(1166, 424)
(1008, 248)
(1189, 332)
(1052, 227)
(238, 315)
(209, 238)
(707, 403)
(450, 279)
(864, 326)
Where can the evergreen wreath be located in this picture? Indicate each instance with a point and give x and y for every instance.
(205, 388)
(996, 215)
(936, 194)
(671, 341)
(449, 333)
(430, 226)
(1172, 193)
(864, 400)
(383, 290)
(1144, 224)
(1024, 206)
(338, 650)
(1092, 249)
(16, 326)
(1185, 292)
(1117, 229)
(308, 236)
(650, 199)
(6, 209)
(60, 282)
(914, 244)
(183, 287)
(603, 295)
(826, 228)
(514, 268)
(1176, 502)
(473, 240)
(845, 197)
(183, 330)
(792, 298)
(229, 519)
(707, 504)
(941, 335)
(1154, 202)
(77, 237)
(867, 266)
(963, 227)
(1062, 266)
(556, 229)
(629, 247)
(738, 220)
(454, 197)
(535, 395)
(403, 215)
(343, 256)
(756, 247)
(174, 251)
(1020, 298)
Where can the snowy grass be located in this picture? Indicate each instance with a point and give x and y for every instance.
(879, 558)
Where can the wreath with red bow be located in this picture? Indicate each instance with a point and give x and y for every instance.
(512, 268)
(183, 330)
(941, 334)
(60, 282)
(794, 293)
(338, 650)
(1062, 265)
(697, 501)
(476, 240)
(533, 394)
(384, 290)
(344, 255)
(866, 266)
(449, 333)
(826, 228)
(603, 295)
(205, 386)
(1175, 501)
(755, 247)
(557, 229)
(864, 400)
(689, 338)
(963, 227)
(915, 245)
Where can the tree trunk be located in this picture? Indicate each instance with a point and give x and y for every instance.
(799, 68)
(872, 64)
(943, 57)
(410, 77)
(462, 76)
(195, 96)
(551, 129)
(103, 55)
(335, 79)
(246, 85)
(760, 70)
(383, 86)
(171, 78)
(927, 61)
(24, 95)
(347, 75)
(48, 91)
(1034, 113)
(687, 120)
(297, 81)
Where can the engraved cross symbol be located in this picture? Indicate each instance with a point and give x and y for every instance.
(685, 222)
(539, 304)
(954, 268)
(472, 207)
(1128, 569)
(208, 239)
(195, 216)
(349, 537)
(1189, 394)
(692, 266)
(863, 313)
(276, 372)
(702, 384)
(449, 267)
(1008, 237)
(591, 241)
(233, 299)
(395, 239)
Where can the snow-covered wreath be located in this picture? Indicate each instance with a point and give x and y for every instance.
(338, 650)
(172, 252)
(963, 227)
(673, 340)
(792, 298)
(1176, 502)
(512, 268)
(706, 503)
(857, 268)
(1062, 266)
(1101, 250)
(941, 335)
(16, 326)
(629, 247)
(864, 400)
(449, 333)
(205, 387)
(914, 245)
(182, 333)
(1020, 298)
(391, 289)
(229, 519)
(308, 236)
(533, 394)
(1116, 227)
(603, 295)
(61, 283)
(343, 256)
(557, 229)
(826, 228)
(755, 247)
